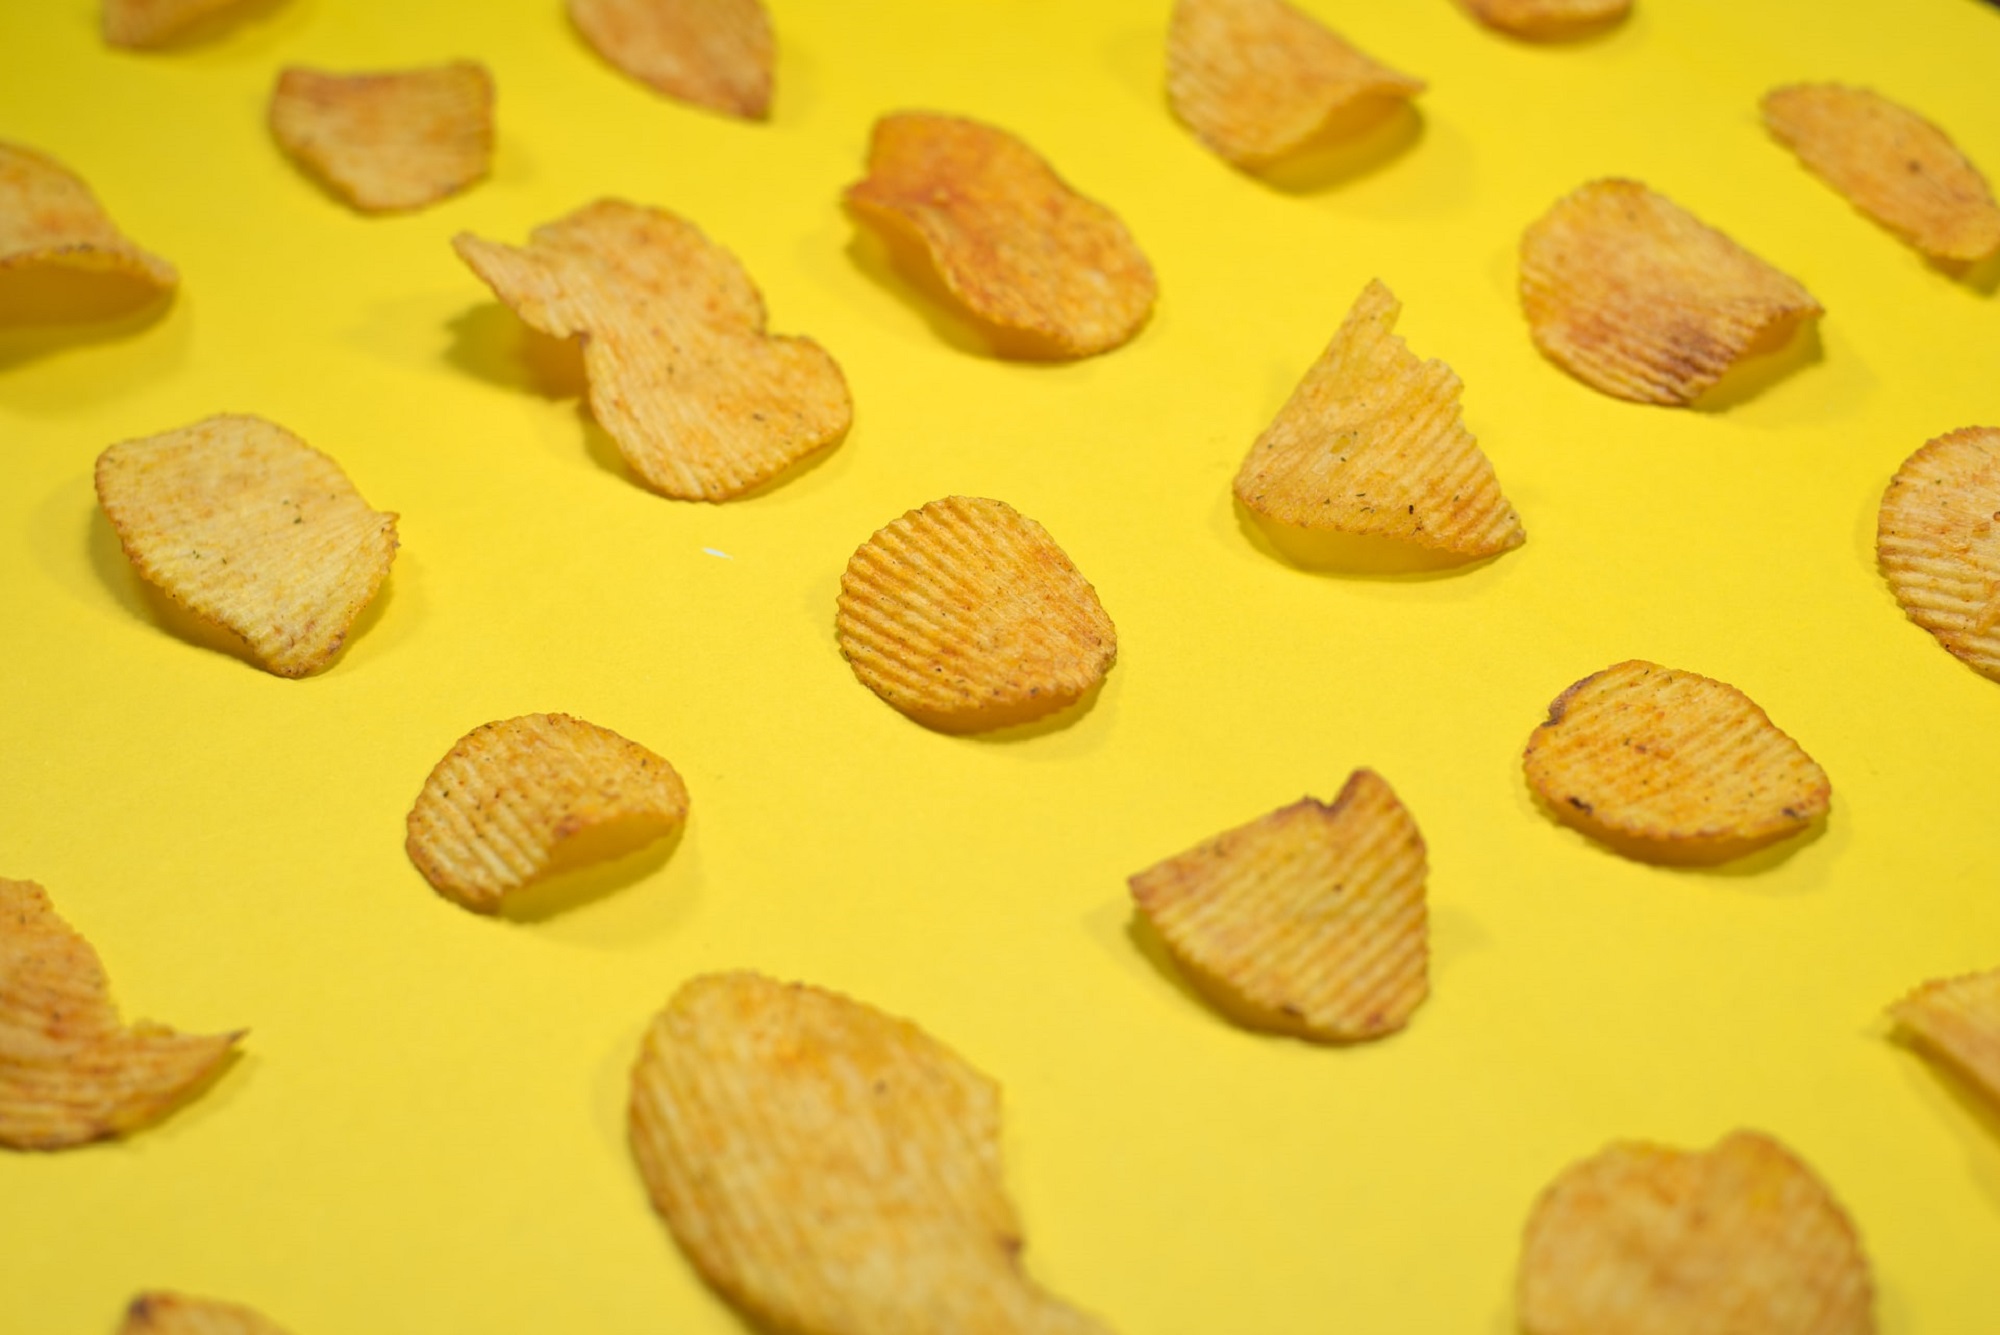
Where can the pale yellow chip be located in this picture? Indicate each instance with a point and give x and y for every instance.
(388, 141)
(703, 404)
(1890, 163)
(713, 53)
(1635, 296)
(1309, 921)
(831, 1169)
(1545, 20)
(1050, 272)
(164, 1313)
(1371, 442)
(49, 219)
(1740, 1238)
(515, 801)
(144, 23)
(1937, 540)
(70, 1072)
(1958, 1019)
(966, 616)
(1258, 80)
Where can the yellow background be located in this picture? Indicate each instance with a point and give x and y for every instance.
(425, 1130)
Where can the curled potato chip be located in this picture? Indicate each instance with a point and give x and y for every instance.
(70, 1073)
(1635, 296)
(163, 1313)
(1053, 273)
(1937, 540)
(388, 141)
(1646, 1240)
(144, 23)
(704, 405)
(1543, 20)
(49, 219)
(1670, 766)
(829, 1168)
(966, 616)
(1958, 1019)
(1371, 442)
(713, 53)
(1309, 921)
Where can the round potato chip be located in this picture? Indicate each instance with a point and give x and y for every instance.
(717, 54)
(1937, 540)
(389, 141)
(164, 1313)
(49, 219)
(1546, 20)
(1958, 1019)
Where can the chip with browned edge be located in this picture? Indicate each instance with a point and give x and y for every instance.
(388, 141)
(1740, 1238)
(1958, 1019)
(49, 219)
(703, 404)
(831, 1169)
(70, 1072)
(162, 1313)
(1309, 921)
(1049, 272)
(144, 23)
(1937, 540)
(1890, 163)
(1670, 766)
(1547, 20)
(1371, 442)
(1635, 296)
(713, 53)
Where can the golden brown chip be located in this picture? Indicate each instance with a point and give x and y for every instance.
(1890, 163)
(1051, 272)
(49, 218)
(517, 800)
(704, 405)
(1310, 920)
(714, 53)
(70, 1073)
(1371, 442)
(1937, 539)
(1670, 766)
(829, 1168)
(388, 141)
(1958, 1019)
(250, 528)
(1258, 79)
(177, 1314)
(143, 23)
(1635, 296)
(966, 616)
(1646, 1240)
(1542, 20)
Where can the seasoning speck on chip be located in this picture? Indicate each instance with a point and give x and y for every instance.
(49, 219)
(712, 53)
(1958, 1019)
(146, 23)
(164, 1313)
(1937, 540)
(388, 141)
(1548, 20)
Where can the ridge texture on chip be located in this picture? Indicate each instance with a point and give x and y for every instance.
(1545, 20)
(49, 219)
(146, 23)
(388, 141)
(1937, 540)
(1958, 1019)
(162, 1313)
(717, 54)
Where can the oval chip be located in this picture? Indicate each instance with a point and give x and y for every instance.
(1548, 20)
(1937, 540)
(163, 1313)
(388, 141)
(150, 23)
(1958, 1020)
(49, 219)
(717, 54)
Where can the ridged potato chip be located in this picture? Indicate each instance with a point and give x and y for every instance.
(1740, 1238)
(1890, 163)
(703, 404)
(1544, 20)
(177, 1314)
(1051, 272)
(1258, 80)
(717, 54)
(145, 23)
(250, 528)
(49, 219)
(517, 800)
(1635, 296)
(388, 141)
(1670, 766)
(829, 1169)
(1958, 1019)
(70, 1072)
(966, 616)
(1937, 540)
(1371, 442)
(1309, 921)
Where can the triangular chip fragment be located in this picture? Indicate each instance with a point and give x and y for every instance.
(395, 140)
(1958, 1019)
(162, 1313)
(1937, 540)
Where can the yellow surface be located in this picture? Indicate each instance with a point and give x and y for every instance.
(426, 1130)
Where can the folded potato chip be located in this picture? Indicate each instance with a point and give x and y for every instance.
(703, 404)
(177, 1314)
(831, 1169)
(1543, 20)
(70, 1072)
(1635, 296)
(1053, 273)
(1645, 1240)
(1958, 1020)
(1670, 766)
(1309, 921)
(144, 23)
(49, 219)
(388, 141)
(966, 616)
(713, 53)
(1937, 540)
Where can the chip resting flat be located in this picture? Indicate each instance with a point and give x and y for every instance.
(151, 23)
(1937, 541)
(1548, 20)
(388, 141)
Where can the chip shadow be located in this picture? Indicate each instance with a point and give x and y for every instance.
(597, 868)
(1368, 556)
(1356, 143)
(48, 310)
(1763, 364)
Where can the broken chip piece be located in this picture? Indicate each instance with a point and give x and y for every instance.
(713, 53)
(1371, 442)
(147, 23)
(162, 1313)
(1635, 296)
(1050, 272)
(966, 616)
(70, 1073)
(1546, 20)
(1310, 920)
(49, 219)
(388, 141)
(1937, 540)
(829, 1168)
(1958, 1019)
(703, 404)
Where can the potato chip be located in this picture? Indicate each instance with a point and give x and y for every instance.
(1890, 163)
(70, 1073)
(1740, 1238)
(1635, 296)
(714, 53)
(49, 219)
(1371, 442)
(1958, 1019)
(829, 1168)
(1258, 80)
(144, 23)
(178, 1314)
(250, 528)
(1309, 921)
(388, 141)
(966, 616)
(703, 404)
(1544, 20)
(1669, 766)
(1053, 273)
(515, 801)
(1937, 539)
